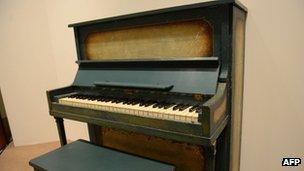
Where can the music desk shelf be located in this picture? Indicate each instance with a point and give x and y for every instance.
(82, 155)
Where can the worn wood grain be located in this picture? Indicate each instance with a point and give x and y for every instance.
(182, 39)
(184, 156)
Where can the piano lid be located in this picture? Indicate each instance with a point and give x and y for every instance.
(195, 75)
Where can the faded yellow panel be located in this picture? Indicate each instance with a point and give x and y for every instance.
(174, 40)
(186, 157)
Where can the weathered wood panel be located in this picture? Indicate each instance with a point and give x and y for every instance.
(184, 156)
(182, 39)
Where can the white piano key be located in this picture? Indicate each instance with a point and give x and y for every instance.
(136, 110)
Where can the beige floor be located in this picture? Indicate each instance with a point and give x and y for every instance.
(17, 158)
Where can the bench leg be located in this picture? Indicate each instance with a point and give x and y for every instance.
(61, 131)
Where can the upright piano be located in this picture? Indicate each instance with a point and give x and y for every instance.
(164, 84)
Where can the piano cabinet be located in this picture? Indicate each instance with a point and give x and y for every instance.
(164, 84)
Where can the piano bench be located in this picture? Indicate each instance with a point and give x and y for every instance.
(82, 155)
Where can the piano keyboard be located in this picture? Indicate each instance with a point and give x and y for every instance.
(150, 109)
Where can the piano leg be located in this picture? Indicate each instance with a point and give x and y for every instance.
(210, 157)
(94, 134)
(223, 150)
(61, 131)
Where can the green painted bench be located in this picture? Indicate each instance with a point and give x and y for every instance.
(82, 155)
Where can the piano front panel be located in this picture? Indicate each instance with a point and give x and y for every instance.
(173, 40)
(185, 156)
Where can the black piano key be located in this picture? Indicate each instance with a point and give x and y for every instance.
(121, 100)
(129, 102)
(115, 101)
(180, 107)
(168, 105)
(142, 103)
(75, 96)
(107, 99)
(72, 96)
(80, 97)
(161, 105)
(135, 102)
(99, 98)
(83, 97)
(193, 108)
(183, 107)
(95, 97)
(125, 101)
(176, 107)
(155, 105)
(149, 103)
(199, 109)
(196, 108)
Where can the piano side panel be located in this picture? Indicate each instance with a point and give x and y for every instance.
(239, 18)
(184, 156)
(173, 40)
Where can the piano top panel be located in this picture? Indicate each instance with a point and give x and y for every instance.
(172, 40)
